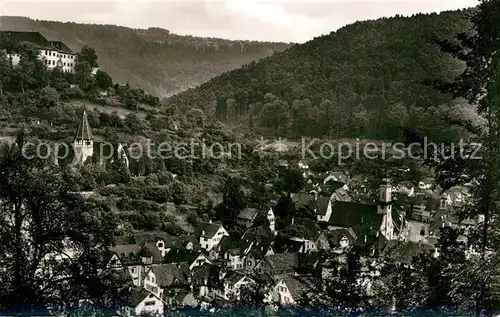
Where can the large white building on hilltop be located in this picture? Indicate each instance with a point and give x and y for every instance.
(53, 53)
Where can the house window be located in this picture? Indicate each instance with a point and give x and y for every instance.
(422, 232)
(160, 245)
(132, 270)
(150, 303)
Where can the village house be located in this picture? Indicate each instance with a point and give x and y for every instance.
(166, 280)
(361, 217)
(210, 234)
(135, 258)
(141, 302)
(246, 217)
(206, 282)
(255, 254)
(278, 264)
(233, 281)
(189, 257)
(290, 290)
(52, 53)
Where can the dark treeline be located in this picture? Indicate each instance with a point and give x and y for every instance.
(365, 80)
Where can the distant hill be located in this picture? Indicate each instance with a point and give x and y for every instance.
(153, 59)
(365, 80)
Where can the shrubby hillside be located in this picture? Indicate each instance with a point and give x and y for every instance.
(365, 80)
(154, 59)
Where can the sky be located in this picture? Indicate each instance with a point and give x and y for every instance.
(277, 21)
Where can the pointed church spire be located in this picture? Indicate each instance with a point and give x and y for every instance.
(84, 132)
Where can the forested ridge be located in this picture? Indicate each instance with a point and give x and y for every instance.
(365, 80)
(153, 59)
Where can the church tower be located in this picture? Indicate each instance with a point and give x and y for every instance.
(384, 207)
(84, 143)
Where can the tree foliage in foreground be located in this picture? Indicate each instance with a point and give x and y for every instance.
(53, 241)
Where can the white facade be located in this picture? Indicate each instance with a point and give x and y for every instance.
(84, 149)
(51, 59)
(208, 243)
(151, 304)
(232, 291)
(151, 284)
(308, 245)
(385, 207)
(272, 220)
(136, 272)
(328, 214)
(282, 292)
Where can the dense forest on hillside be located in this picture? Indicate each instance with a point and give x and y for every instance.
(365, 80)
(154, 59)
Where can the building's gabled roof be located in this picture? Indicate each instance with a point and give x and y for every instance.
(207, 230)
(61, 47)
(170, 241)
(259, 250)
(168, 275)
(335, 236)
(297, 287)
(322, 205)
(248, 213)
(208, 272)
(132, 252)
(294, 246)
(283, 262)
(137, 295)
(350, 214)
(84, 133)
(181, 255)
(17, 37)
(234, 277)
(310, 260)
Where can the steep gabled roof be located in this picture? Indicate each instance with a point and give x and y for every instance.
(283, 262)
(207, 230)
(234, 277)
(181, 255)
(322, 205)
(17, 37)
(137, 295)
(350, 214)
(168, 274)
(84, 132)
(61, 47)
(131, 252)
(298, 288)
(207, 271)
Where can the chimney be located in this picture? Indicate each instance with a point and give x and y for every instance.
(377, 233)
(210, 221)
(293, 220)
(365, 238)
(203, 233)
